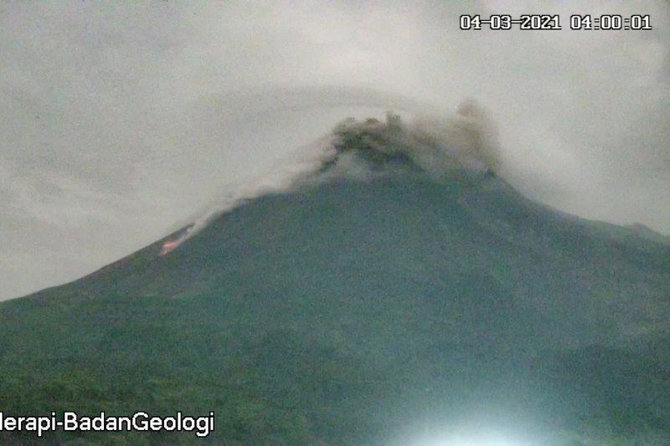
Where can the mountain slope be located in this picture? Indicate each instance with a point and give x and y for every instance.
(361, 311)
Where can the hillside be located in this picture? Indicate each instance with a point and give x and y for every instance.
(383, 310)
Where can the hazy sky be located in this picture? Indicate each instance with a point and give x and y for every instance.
(121, 120)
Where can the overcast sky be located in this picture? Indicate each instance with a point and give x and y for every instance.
(122, 120)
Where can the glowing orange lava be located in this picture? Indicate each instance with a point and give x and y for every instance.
(170, 246)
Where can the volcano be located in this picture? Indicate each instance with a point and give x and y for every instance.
(375, 302)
